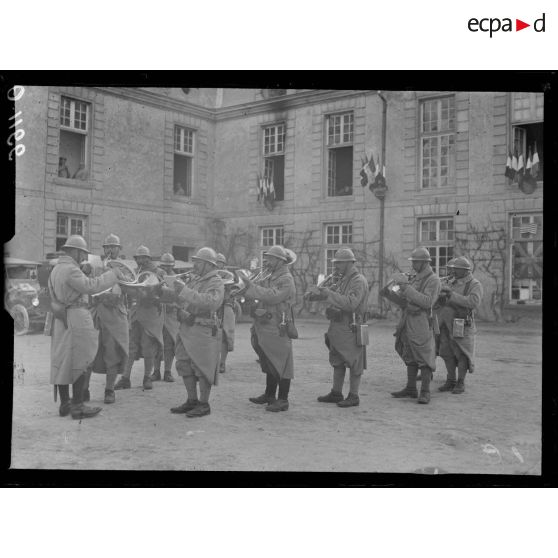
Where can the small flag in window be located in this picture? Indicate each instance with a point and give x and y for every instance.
(535, 164)
(514, 163)
(531, 228)
(510, 173)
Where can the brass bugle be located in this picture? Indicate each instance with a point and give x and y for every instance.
(330, 281)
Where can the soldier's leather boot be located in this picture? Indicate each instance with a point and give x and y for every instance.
(64, 409)
(424, 397)
(448, 386)
(80, 411)
(168, 376)
(419, 377)
(352, 400)
(331, 397)
(278, 405)
(459, 387)
(199, 410)
(185, 407)
(156, 376)
(405, 392)
(147, 383)
(123, 383)
(262, 399)
(110, 397)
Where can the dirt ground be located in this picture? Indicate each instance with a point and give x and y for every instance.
(493, 428)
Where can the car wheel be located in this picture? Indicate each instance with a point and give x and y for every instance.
(21, 319)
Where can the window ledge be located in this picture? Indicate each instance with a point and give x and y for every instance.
(74, 182)
(437, 191)
(182, 199)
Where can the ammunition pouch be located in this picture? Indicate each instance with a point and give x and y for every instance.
(185, 317)
(59, 311)
(262, 315)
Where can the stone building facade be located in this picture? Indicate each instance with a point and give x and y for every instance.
(176, 169)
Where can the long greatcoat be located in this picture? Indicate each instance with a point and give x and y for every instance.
(276, 295)
(147, 310)
(110, 316)
(456, 306)
(414, 336)
(73, 348)
(229, 320)
(203, 298)
(350, 295)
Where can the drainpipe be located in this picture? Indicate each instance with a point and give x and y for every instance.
(381, 194)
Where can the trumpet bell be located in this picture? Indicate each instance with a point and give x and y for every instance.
(292, 256)
(126, 272)
(143, 279)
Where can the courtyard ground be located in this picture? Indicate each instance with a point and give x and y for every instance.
(493, 428)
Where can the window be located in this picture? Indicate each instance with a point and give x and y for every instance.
(526, 258)
(336, 235)
(274, 158)
(73, 147)
(438, 236)
(437, 128)
(181, 253)
(66, 225)
(527, 131)
(184, 149)
(339, 133)
(270, 236)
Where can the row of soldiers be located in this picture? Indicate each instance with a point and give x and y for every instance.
(108, 338)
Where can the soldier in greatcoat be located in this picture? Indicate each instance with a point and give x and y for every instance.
(347, 300)
(275, 295)
(110, 316)
(171, 326)
(146, 324)
(199, 338)
(414, 336)
(459, 301)
(228, 319)
(74, 337)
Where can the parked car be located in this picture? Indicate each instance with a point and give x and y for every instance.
(24, 298)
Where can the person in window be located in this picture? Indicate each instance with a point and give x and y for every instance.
(414, 336)
(457, 348)
(347, 298)
(81, 173)
(179, 190)
(63, 171)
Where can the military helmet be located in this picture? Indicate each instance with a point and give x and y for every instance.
(76, 241)
(420, 255)
(221, 258)
(462, 263)
(142, 251)
(450, 262)
(111, 240)
(206, 254)
(344, 255)
(277, 251)
(167, 259)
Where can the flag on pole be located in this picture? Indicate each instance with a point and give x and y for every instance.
(367, 171)
(514, 163)
(363, 175)
(535, 164)
(510, 173)
(531, 228)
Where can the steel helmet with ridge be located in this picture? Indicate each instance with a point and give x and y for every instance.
(76, 241)
(221, 258)
(277, 251)
(111, 240)
(206, 254)
(344, 255)
(142, 251)
(167, 259)
(462, 263)
(420, 255)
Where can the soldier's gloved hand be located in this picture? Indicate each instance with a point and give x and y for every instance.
(178, 286)
(401, 279)
(445, 289)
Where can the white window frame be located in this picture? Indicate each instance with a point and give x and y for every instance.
(434, 246)
(441, 135)
(72, 127)
(277, 237)
(344, 232)
(527, 108)
(275, 136)
(70, 218)
(184, 133)
(528, 286)
(344, 119)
